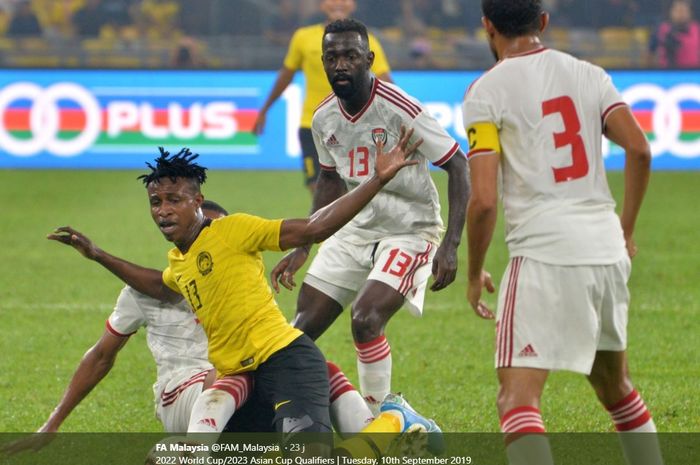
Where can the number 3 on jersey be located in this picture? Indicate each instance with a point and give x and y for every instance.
(359, 161)
(570, 136)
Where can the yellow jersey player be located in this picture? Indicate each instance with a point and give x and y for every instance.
(217, 266)
(305, 54)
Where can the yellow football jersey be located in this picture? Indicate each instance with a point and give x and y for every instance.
(223, 277)
(305, 53)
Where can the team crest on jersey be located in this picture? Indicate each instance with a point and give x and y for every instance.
(379, 135)
(204, 263)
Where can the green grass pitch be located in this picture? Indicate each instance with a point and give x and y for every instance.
(53, 305)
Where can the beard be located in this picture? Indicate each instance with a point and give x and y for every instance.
(344, 91)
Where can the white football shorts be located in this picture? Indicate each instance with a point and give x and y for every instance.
(556, 317)
(174, 404)
(340, 269)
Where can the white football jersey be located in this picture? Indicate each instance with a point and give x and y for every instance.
(549, 109)
(174, 337)
(409, 203)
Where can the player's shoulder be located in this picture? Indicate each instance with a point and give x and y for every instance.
(310, 31)
(394, 99)
(325, 104)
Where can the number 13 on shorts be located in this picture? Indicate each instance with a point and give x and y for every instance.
(397, 263)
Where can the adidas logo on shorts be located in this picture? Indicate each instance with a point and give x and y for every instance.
(528, 351)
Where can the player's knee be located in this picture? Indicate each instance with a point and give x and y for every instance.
(367, 324)
(510, 397)
(610, 387)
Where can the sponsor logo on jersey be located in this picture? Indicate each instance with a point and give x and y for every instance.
(379, 135)
(247, 362)
(204, 263)
(332, 141)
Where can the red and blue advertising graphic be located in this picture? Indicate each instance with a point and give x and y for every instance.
(117, 119)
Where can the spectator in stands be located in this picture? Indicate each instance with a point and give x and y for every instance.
(283, 23)
(676, 43)
(187, 54)
(24, 22)
(88, 21)
(612, 13)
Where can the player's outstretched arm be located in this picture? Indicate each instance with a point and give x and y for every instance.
(445, 261)
(94, 366)
(622, 128)
(145, 280)
(326, 221)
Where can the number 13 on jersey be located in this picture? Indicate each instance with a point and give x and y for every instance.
(359, 161)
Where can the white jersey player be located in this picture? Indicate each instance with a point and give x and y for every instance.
(538, 116)
(178, 345)
(383, 258)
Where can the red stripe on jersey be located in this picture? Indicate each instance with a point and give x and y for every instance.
(479, 152)
(111, 329)
(610, 109)
(328, 98)
(399, 96)
(326, 167)
(393, 100)
(353, 118)
(450, 153)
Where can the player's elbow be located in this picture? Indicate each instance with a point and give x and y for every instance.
(480, 206)
(639, 153)
(316, 232)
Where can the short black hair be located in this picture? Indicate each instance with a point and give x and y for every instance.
(180, 165)
(213, 206)
(513, 18)
(348, 25)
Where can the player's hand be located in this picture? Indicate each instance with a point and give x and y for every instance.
(283, 272)
(474, 290)
(33, 442)
(260, 120)
(444, 267)
(386, 165)
(80, 242)
(631, 246)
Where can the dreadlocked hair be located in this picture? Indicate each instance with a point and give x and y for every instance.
(175, 166)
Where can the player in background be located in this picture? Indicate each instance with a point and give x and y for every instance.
(305, 54)
(215, 263)
(538, 117)
(381, 260)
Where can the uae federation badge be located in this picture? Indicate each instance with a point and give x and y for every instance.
(379, 135)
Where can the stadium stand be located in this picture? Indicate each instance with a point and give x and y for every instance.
(443, 34)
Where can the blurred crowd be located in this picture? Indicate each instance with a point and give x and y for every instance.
(255, 33)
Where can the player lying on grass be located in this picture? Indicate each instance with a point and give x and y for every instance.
(179, 348)
(217, 265)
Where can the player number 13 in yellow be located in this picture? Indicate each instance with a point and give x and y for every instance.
(193, 295)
